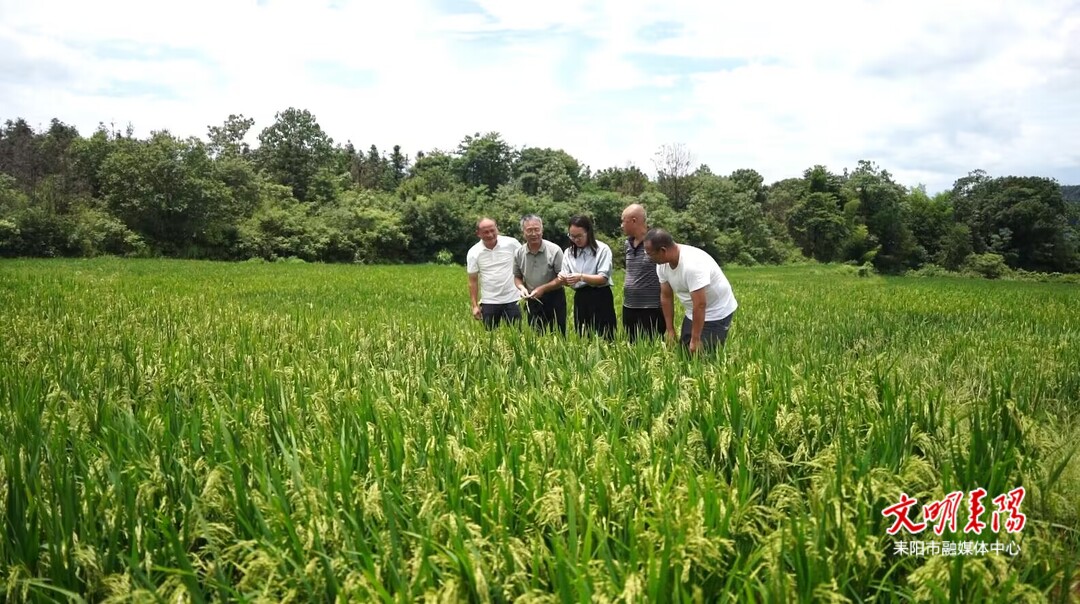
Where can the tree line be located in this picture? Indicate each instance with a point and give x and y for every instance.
(299, 194)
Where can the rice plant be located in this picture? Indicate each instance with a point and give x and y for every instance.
(192, 431)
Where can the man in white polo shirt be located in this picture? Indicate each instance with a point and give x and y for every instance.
(490, 264)
(704, 291)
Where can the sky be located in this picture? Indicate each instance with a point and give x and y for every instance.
(929, 90)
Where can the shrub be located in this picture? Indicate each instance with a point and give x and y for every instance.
(745, 259)
(989, 265)
(97, 232)
(444, 257)
(9, 237)
(932, 270)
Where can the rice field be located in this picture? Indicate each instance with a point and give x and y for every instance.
(191, 431)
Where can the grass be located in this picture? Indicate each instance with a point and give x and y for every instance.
(290, 432)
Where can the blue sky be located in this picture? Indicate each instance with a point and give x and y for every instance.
(926, 89)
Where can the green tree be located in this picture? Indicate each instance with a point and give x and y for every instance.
(431, 173)
(293, 150)
(727, 222)
(484, 161)
(629, 181)
(818, 226)
(164, 190)
(750, 181)
(399, 165)
(439, 222)
(929, 220)
(820, 180)
(672, 164)
(54, 157)
(955, 246)
(227, 140)
(1021, 218)
(12, 202)
(88, 155)
(605, 209)
(244, 185)
(880, 207)
(18, 153)
(780, 200)
(548, 172)
(369, 171)
(283, 228)
(553, 181)
(360, 229)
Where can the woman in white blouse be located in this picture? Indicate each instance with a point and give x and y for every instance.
(587, 269)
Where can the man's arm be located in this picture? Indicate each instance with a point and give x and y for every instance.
(697, 324)
(547, 287)
(474, 294)
(519, 272)
(667, 304)
(520, 283)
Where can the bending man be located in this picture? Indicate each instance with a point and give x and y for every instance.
(701, 286)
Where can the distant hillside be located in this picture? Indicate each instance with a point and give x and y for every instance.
(1071, 193)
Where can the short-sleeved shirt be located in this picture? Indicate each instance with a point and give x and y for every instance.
(698, 270)
(539, 267)
(588, 262)
(496, 269)
(642, 287)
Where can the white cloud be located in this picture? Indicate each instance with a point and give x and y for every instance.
(927, 90)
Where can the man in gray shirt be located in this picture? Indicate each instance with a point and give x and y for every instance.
(642, 315)
(536, 275)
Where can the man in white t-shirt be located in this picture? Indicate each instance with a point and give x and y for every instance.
(704, 291)
(490, 264)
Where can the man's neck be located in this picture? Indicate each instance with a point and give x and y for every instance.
(535, 247)
(636, 239)
(493, 244)
(674, 262)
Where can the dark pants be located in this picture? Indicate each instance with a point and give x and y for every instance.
(594, 311)
(494, 314)
(713, 333)
(548, 312)
(643, 322)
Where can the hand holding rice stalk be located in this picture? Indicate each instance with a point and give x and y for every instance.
(527, 295)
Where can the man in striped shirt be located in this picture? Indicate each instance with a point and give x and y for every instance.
(642, 315)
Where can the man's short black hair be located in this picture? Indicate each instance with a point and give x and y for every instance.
(659, 238)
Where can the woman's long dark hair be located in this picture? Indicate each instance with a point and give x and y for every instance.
(582, 221)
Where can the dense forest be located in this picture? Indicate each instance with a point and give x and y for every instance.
(299, 194)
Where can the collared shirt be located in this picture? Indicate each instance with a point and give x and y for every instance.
(496, 269)
(642, 287)
(539, 267)
(588, 263)
(697, 270)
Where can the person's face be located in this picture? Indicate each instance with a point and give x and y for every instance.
(488, 232)
(534, 231)
(654, 254)
(578, 236)
(629, 224)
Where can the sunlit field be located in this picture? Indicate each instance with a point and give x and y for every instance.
(192, 431)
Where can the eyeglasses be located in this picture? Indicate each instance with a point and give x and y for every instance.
(576, 237)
